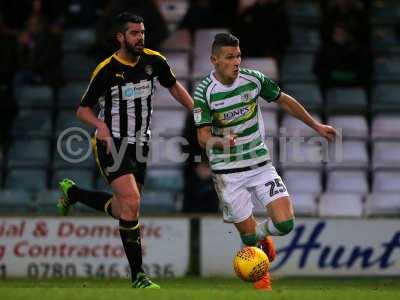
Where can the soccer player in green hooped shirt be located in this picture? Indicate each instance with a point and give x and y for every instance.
(230, 127)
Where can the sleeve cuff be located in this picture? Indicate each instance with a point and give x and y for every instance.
(276, 98)
(203, 125)
(85, 105)
(168, 84)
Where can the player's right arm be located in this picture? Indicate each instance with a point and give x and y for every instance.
(90, 98)
(207, 139)
(203, 120)
(87, 115)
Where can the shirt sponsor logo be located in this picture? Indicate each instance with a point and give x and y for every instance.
(236, 113)
(132, 91)
(129, 92)
(142, 89)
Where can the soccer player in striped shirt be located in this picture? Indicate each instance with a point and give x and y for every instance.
(123, 86)
(230, 127)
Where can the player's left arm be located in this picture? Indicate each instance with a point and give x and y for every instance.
(294, 108)
(181, 95)
(167, 79)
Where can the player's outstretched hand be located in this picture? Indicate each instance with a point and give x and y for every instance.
(327, 132)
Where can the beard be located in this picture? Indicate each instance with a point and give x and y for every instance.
(133, 49)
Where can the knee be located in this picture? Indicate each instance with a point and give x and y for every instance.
(130, 204)
(285, 227)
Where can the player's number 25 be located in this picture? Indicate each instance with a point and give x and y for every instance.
(275, 186)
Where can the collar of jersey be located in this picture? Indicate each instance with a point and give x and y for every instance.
(223, 87)
(122, 61)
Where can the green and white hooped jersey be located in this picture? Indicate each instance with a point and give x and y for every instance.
(235, 109)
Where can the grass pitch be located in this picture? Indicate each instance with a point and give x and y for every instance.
(201, 289)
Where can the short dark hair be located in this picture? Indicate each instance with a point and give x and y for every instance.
(223, 40)
(119, 23)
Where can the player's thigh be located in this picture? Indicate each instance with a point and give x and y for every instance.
(111, 167)
(234, 197)
(280, 209)
(126, 191)
(137, 156)
(271, 192)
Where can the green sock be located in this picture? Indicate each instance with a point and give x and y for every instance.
(275, 229)
(249, 239)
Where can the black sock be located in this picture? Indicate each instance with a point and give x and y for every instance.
(100, 201)
(130, 236)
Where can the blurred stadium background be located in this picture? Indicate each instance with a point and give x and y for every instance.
(347, 205)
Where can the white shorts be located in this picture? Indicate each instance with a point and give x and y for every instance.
(237, 190)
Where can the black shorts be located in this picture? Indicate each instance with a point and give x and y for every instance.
(133, 161)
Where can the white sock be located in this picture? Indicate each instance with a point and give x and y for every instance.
(267, 228)
(261, 230)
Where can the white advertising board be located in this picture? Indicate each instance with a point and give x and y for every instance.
(89, 247)
(316, 247)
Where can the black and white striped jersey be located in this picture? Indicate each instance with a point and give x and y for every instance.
(124, 92)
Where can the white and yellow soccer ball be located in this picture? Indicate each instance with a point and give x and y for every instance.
(251, 264)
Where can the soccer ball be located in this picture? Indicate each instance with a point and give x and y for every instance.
(250, 264)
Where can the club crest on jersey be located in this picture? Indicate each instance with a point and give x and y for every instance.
(246, 97)
(148, 69)
(197, 114)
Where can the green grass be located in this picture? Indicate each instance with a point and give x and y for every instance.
(202, 289)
